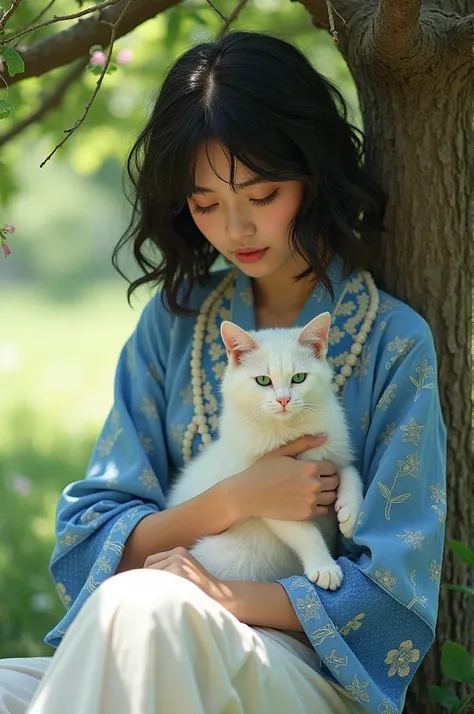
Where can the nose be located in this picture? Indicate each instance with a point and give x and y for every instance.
(283, 401)
(239, 228)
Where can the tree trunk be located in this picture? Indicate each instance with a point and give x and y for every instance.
(414, 78)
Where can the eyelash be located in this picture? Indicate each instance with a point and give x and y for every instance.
(257, 201)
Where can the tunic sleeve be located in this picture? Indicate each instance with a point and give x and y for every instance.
(127, 475)
(373, 632)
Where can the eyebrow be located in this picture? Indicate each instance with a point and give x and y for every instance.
(246, 184)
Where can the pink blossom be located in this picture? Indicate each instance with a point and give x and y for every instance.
(124, 56)
(98, 58)
(9, 228)
(22, 485)
(6, 249)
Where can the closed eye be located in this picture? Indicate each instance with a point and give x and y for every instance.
(203, 210)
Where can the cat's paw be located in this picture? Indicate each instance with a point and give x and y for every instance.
(326, 576)
(348, 509)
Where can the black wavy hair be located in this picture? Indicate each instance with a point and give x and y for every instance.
(261, 99)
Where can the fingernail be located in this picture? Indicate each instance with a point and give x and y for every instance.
(322, 436)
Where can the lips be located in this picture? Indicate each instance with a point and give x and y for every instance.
(250, 255)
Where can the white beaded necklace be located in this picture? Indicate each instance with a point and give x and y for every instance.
(207, 315)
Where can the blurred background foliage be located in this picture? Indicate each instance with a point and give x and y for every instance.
(63, 309)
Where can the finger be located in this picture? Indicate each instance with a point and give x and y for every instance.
(325, 498)
(160, 564)
(157, 557)
(326, 468)
(304, 443)
(320, 511)
(329, 483)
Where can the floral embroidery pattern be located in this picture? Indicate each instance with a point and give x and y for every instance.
(358, 689)
(386, 707)
(148, 407)
(146, 442)
(148, 479)
(387, 397)
(435, 572)
(90, 517)
(401, 347)
(333, 662)
(365, 422)
(411, 432)
(438, 494)
(65, 598)
(424, 372)
(414, 538)
(105, 446)
(354, 624)
(400, 660)
(417, 599)
(322, 633)
(309, 606)
(388, 433)
(406, 467)
(68, 539)
(155, 373)
(386, 579)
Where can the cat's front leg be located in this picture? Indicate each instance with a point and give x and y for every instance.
(349, 500)
(309, 545)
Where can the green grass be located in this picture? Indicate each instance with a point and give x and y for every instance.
(57, 362)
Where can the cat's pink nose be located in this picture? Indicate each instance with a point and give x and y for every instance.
(283, 401)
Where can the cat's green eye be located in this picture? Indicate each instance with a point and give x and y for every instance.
(263, 380)
(299, 377)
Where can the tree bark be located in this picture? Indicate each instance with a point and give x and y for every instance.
(413, 70)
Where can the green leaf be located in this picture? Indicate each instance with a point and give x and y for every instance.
(5, 108)
(384, 490)
(444, 696)
(456, 662)
(463, 552)
(464, 589)
(402, 498)
(14, 61)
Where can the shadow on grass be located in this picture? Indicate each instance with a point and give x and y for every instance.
(31, 480)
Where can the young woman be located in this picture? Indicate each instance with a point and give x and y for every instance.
(248, 155)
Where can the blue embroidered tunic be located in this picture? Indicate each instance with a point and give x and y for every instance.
(373, 632)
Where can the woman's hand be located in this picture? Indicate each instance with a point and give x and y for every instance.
(280, 487)
(180, 562)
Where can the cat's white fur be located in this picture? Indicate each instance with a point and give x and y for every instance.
(253, 423)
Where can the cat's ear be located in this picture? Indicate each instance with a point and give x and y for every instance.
(315, 334)
(237, 342)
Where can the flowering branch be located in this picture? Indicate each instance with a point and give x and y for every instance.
(70, 132)
(71, 44)
(7, 229)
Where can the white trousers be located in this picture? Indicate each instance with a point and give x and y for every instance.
(148, 642)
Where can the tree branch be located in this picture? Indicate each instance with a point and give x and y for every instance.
(396, 29)
(6, 15)
(72, 44)
(331, 15)
(50, 102)
(59, 18)
(233, 16)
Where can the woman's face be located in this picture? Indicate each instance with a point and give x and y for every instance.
(248, 225)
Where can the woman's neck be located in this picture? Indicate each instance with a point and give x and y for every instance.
(278, 302)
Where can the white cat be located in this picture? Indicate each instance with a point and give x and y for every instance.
(277, 387)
